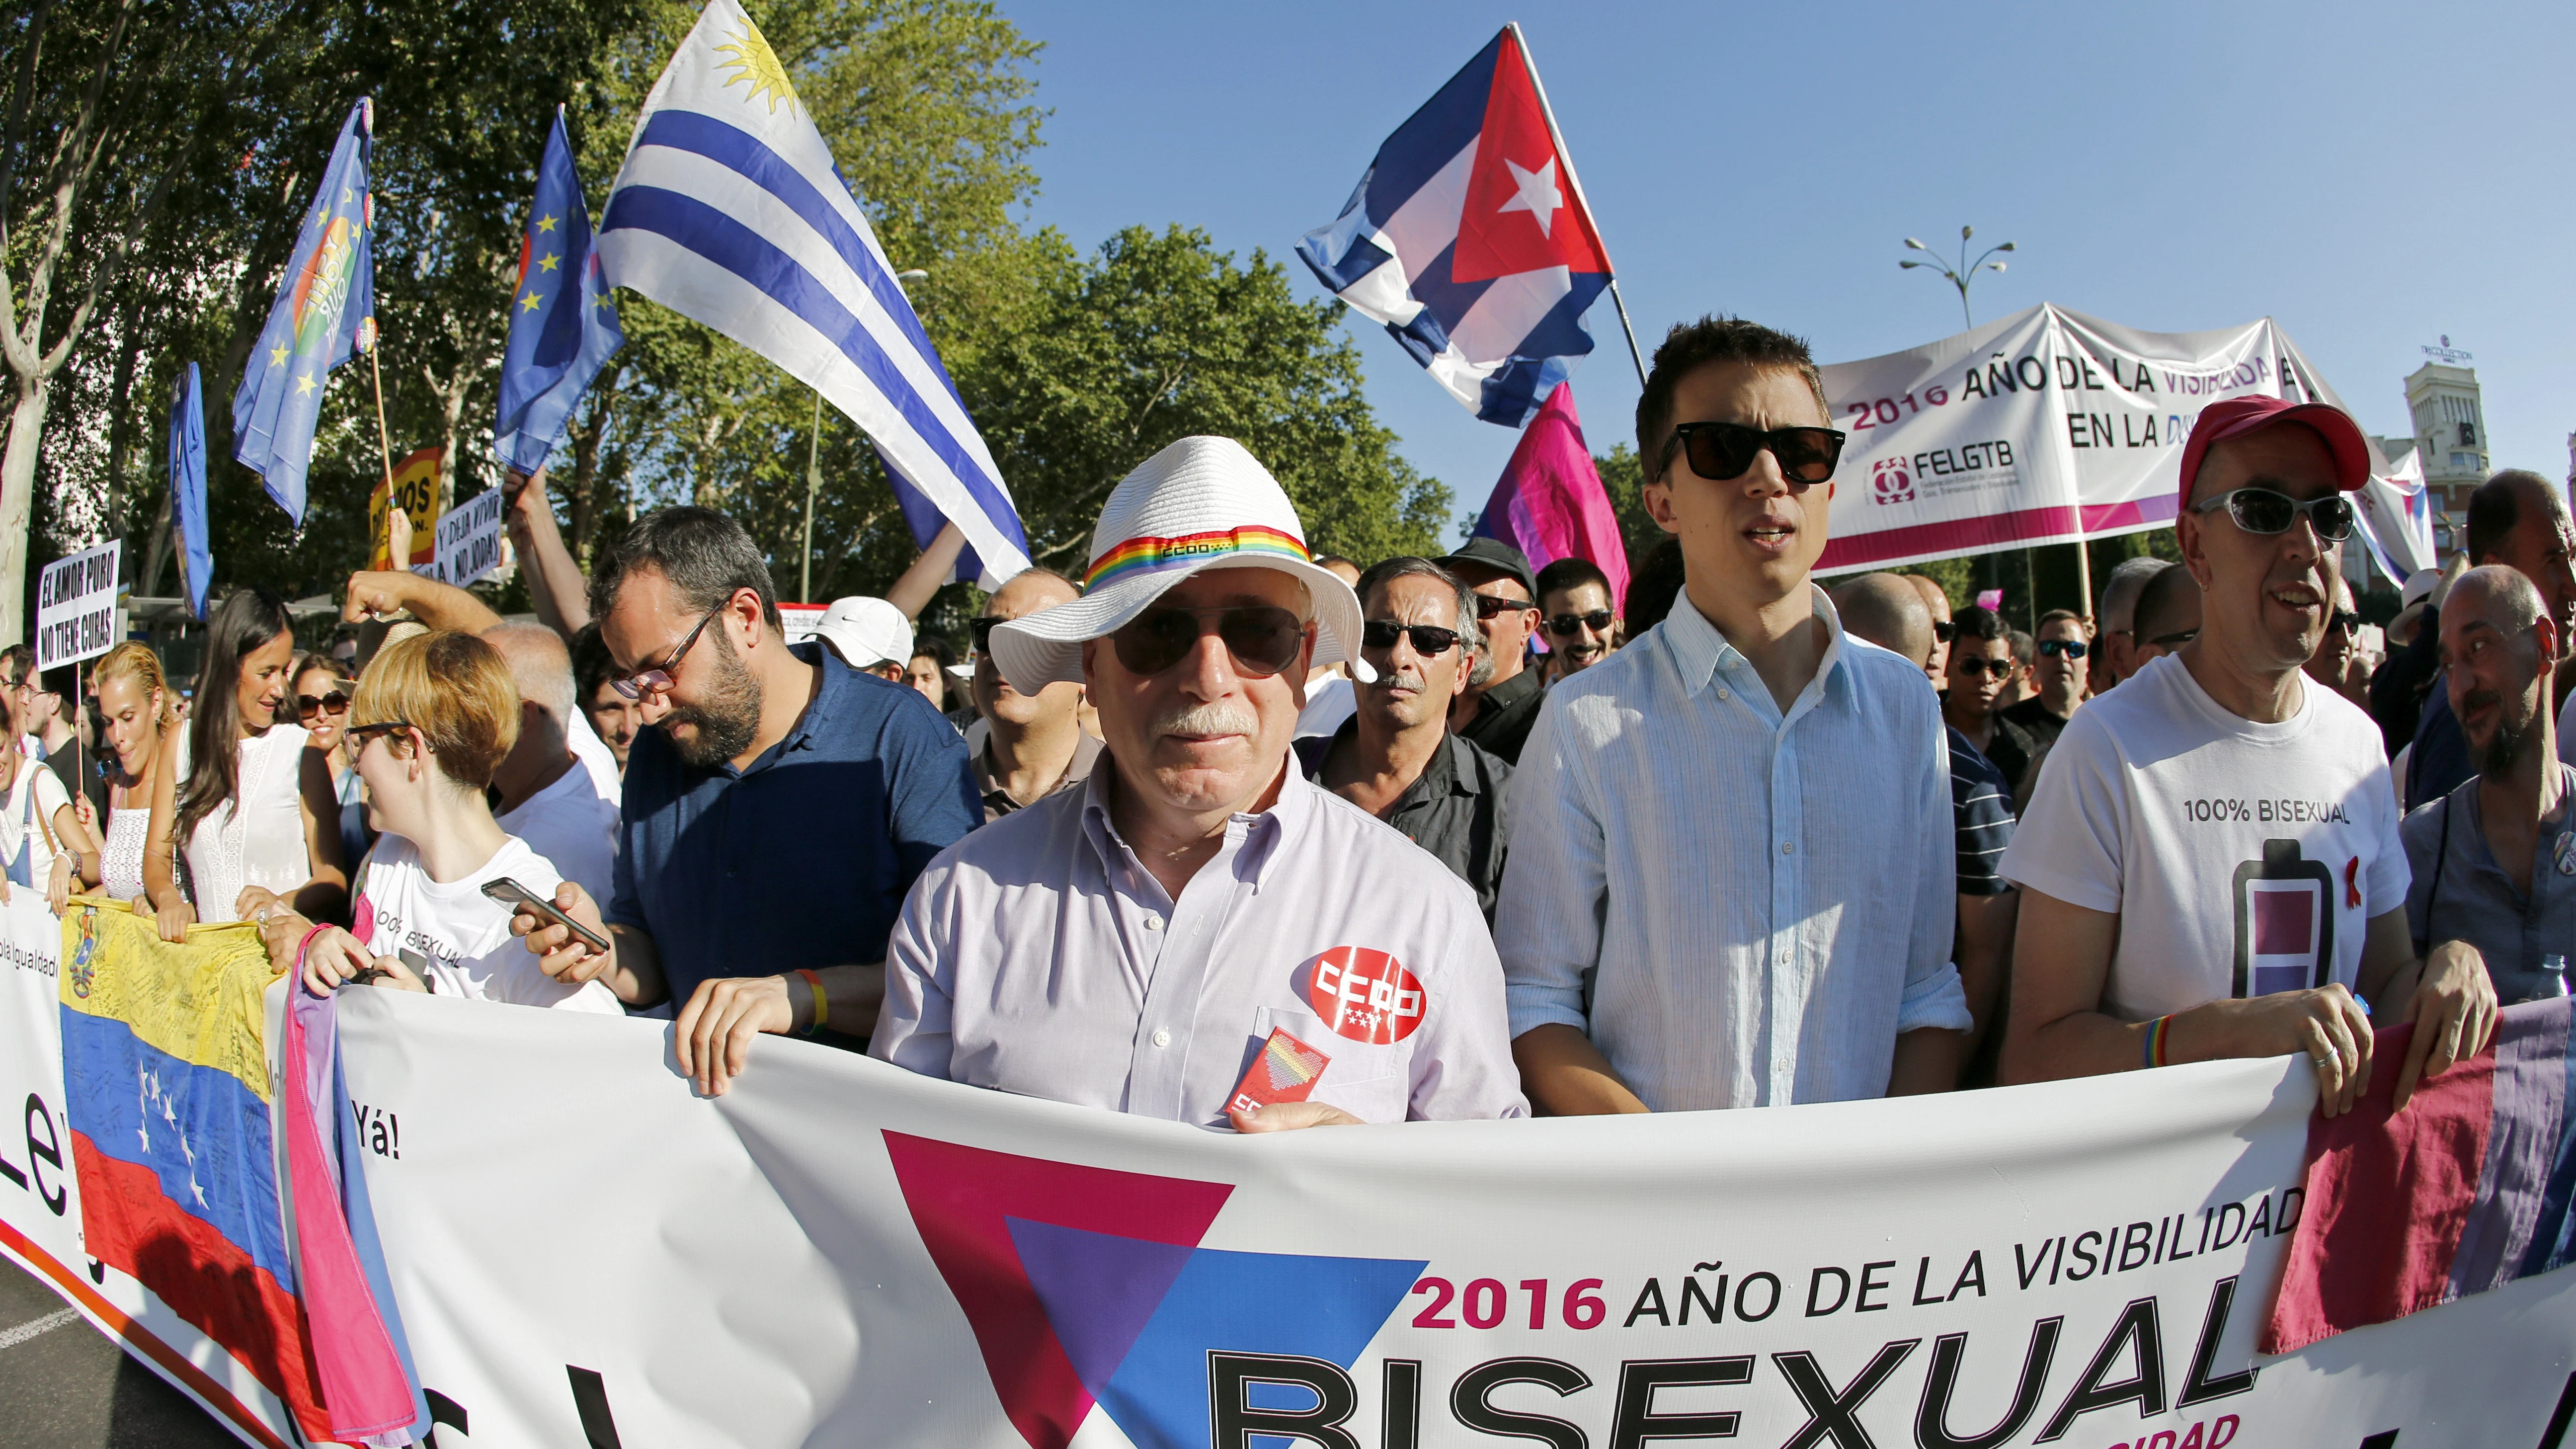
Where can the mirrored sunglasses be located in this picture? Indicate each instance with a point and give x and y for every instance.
(2070, 648)
(2264, 511)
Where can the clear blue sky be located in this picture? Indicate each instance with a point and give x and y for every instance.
(2370, 175)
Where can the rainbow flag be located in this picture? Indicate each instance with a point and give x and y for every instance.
(168, 1096)
(2465, 1191)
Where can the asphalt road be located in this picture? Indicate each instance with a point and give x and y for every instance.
(63, 1385)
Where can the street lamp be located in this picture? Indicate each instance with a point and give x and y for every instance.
(1965, 272)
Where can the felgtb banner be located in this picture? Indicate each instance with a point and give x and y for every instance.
(2045, 427)
(840, 1253)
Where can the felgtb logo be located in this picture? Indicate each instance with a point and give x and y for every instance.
(1890, 483)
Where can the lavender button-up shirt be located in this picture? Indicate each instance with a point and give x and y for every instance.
(1038, 956)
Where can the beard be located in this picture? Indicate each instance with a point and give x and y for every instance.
(726, 719)
(2505, 746)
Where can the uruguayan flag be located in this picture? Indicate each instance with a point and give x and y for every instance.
(729, 210)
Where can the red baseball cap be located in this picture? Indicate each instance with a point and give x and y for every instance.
(2238, 416)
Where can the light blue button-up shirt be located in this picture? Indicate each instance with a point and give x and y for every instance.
(1741, 908)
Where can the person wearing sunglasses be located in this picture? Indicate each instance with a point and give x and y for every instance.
(777, 805)
(319, 701)
(1031, 745)
(1744, 797)
(2337, 663)
(1944, 627)
(1132, 944)
(1575, 608)
(2062, 655)
(2167, 615)
(1982, 668)
(2211, 866)
(1395, 757)
(2118, 616)
(1503, 694)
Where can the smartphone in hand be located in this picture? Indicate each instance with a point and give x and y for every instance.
(510, 893)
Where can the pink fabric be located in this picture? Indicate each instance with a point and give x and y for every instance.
(1550, 503)
(362, 1376)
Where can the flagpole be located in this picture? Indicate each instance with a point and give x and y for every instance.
(384, 439)
(813, 481)
(1529, 63)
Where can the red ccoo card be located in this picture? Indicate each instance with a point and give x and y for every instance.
(1285, 1071)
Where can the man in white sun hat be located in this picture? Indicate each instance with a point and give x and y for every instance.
(1198, 933)
(871, 635)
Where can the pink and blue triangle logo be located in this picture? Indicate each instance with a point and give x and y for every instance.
(1087, 1286)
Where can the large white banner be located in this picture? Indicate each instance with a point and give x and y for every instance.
(2045, 427)
(840, 1253)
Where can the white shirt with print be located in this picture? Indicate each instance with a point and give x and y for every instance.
(458, 939)
(2243, 859)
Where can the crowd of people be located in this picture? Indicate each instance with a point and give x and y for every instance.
(1484, 838)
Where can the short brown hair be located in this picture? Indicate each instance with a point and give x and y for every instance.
(455, 690)
(1691, 346)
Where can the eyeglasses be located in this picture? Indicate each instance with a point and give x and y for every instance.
(1972, 666)
(1598, 621)
(2071, 648)
(1487, 606)
(1263, 638)
(658, 678)
(335, 702)
(982, 629)
(358, 735)
(2261, 510)
(2176, 640)
(2344, 619)
(1429, 640)
(1722, 452)
(1944, 630)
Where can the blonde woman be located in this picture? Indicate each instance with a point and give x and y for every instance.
(43, 844)
(255, 825)
(134, 700)
(433, 717)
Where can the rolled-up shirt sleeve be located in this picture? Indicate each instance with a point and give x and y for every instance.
(1934, 998)
(913, 1025)
(1555, 885)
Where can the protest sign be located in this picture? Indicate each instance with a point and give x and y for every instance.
(839, 1252)
(469, 539)
(797, 622)
(2045, 427)
(42, 1176)
(415, 491)
(76, 607)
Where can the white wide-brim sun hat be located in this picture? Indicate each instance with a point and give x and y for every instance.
(1200, 504)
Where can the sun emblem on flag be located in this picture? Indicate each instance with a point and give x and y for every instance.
(754, 64)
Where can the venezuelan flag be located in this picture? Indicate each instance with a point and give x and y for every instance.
(167, 1093)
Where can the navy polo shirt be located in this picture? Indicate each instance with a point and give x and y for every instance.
(804, 857)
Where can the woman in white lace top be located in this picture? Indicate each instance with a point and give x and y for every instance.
(134, 700)
(255, 822)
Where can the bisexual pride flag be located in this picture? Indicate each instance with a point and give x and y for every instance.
(730, 211)
(324, 313)
(1469, 238)
(563, 328)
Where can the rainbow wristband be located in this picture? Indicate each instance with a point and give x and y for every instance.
(822, 1004)
(2155, 1043)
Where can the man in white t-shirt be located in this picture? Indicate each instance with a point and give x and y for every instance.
(547, 797)
(2210, 867)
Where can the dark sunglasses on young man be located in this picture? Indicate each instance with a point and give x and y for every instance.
(1722, 452)
(1487, 606)
(1429, 640)
(1598, 621)
(1944, 630)
(2261, 510)
(2070, 648)
(1263, 638)
(1972, 666)
(307, 706)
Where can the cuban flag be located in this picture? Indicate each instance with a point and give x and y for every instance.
(2397, 519)
(1468, 237)
(563, 328)
(730, 211)
(323, 315)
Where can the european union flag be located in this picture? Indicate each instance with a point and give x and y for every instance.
(326, 301)
(562, 326)
(188, 490)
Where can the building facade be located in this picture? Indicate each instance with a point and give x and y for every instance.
(2451, 436)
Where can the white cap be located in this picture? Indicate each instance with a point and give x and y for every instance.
(1202, 503)
(2418, 586)
(866, 632)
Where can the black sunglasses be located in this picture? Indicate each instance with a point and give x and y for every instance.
(358, 735)
(2071, 648)
(335, 702)
(1972, 666)
(982, 630)
(2175, 640)
(1263, 638)
(1598, 621)
(1429, 640)
(1487, 606)
(1944, 630)
(1721, 452)
(658, 678)
(2344, 619)
(2261, 510)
